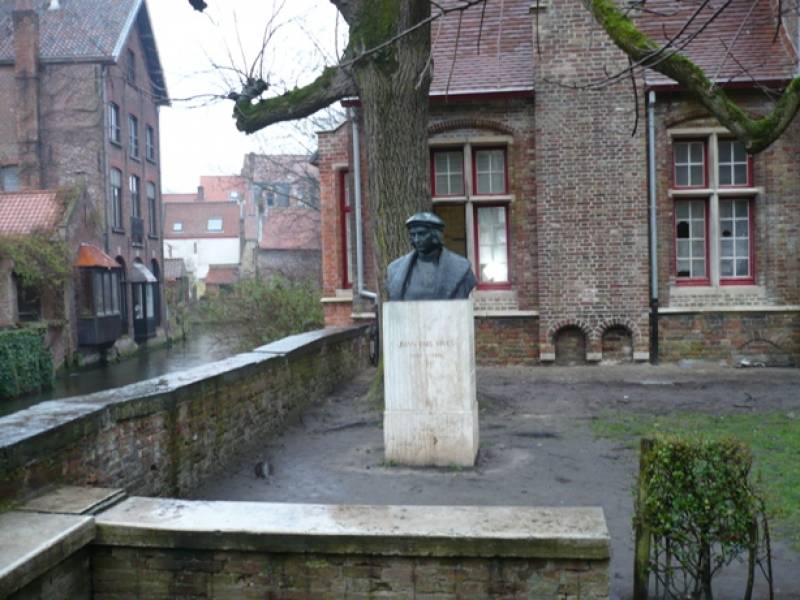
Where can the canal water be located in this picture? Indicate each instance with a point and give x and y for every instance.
(200, 348)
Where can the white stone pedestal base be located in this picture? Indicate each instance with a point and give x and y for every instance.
(431, 415)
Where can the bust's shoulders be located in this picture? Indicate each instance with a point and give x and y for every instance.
(402, 260)
(454, 259)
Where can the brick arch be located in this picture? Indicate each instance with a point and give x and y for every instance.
(632, 327)
(695, 115)
(469, 123)
(582, 325)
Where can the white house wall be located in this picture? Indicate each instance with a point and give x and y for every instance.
(199, 253)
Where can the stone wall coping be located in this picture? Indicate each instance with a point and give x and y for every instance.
(21, 432)
(679, 310)
(446, 531)
(485, 314)
(33, 543)
(310, 341)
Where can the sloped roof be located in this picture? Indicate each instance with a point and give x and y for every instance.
(90, 255)
(174, 268)
(87, 31)
(222, 275)
(192, 197)
(291, 229)
(741, 39)
(194, 217)
(23, 213)
(218, 188)
(278, 167)
(480, 51)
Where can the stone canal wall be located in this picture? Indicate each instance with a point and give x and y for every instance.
(161, 549)
(162, 437)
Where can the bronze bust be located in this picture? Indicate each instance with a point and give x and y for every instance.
(430, 271)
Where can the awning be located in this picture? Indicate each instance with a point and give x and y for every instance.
(90, 256)
(141, 274)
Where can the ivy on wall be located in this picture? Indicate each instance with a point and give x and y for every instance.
(39, 261)
(25, 362)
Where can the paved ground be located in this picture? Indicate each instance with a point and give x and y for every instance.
(536, 449)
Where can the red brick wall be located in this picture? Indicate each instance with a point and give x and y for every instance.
(591, 184)
(507, 341)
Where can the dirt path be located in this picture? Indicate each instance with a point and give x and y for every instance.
(537, 448)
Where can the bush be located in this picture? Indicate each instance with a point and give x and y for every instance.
(699, 511)
(25, 363)
(263, 310)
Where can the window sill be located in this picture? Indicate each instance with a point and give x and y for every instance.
(152, 161)
(132, 157)
(150, 236)
(137, 244)
(116, 143)
(689, 192)
(745, 281)
(693, 282)
(493, 287)
(118, 230)
(740, 191)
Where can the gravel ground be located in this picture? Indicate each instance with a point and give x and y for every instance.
(537, 448)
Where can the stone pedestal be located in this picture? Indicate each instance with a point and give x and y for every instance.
(431, 415)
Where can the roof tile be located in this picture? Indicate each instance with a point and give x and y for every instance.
(23, 213)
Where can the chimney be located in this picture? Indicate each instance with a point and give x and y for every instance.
(201, 193)
(26, 74)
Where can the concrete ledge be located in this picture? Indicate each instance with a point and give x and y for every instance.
(439, 531)
(75, 500)
(31, 544)
(311, 341)
(506, 314)
(681, 310)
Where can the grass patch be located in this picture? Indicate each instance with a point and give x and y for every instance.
(774, 439)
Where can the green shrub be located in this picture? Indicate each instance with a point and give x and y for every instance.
(25, 363)
(700, 510)
(258, 311)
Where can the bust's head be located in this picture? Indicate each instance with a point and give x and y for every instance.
(426, 232)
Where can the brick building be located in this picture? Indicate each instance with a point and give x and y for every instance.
(545, 190)
(80, 89)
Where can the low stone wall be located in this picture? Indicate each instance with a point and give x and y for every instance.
(161, 549)
(507, 340)
(166, 435)
(770, 338)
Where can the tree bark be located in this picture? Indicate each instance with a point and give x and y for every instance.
(755, 133)
(393, 87)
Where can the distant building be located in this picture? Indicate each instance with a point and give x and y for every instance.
(269, 221)
(290, 245)
(80, 89)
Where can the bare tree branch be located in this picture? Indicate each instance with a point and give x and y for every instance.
(755, 133)
(333, 84)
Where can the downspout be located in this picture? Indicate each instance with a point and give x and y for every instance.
(651, 176)
(359, 224)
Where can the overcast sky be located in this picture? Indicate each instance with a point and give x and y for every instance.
(198, 137)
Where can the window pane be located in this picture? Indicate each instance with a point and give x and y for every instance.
(97, 292)
(456, 184)
(741, 227)
(724, 151)
(739, 155)
(742, 267)
(682, 176)
(697, 175)
(455, 230)
(696, 152)
(683, 248)
(699, 268)
(482, 161)
(698, 229)
(726, 228)
(741, 208)
(681, 152)
(490, 171)
(498, 183)
(493, 250)
(682, 210)
(724, 175)
(725, 210)
(448, 168)
(740, 174)
(726, 268)
(698, 249)
(115, 292)
(726, 248)
(742, 248)
(684, 269)
(442, 183)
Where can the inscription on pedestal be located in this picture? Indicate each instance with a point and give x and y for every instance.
(431, 415)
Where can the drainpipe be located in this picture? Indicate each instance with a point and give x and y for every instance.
(359, 225)
(651, 176)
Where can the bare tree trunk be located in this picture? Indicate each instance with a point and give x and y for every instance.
(393, 87)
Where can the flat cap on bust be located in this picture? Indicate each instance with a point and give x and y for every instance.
(427, 219)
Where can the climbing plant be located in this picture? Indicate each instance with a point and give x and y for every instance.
(25, 362)
(39, 261)
(696, 511)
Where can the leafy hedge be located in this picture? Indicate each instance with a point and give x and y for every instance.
(25, 362)
(701, 511)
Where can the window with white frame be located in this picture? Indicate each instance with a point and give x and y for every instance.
(470, 194)
(133, 136)
(177, 226)
(118, 222)
(114, 127)
(214, 225)
(713, 201)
